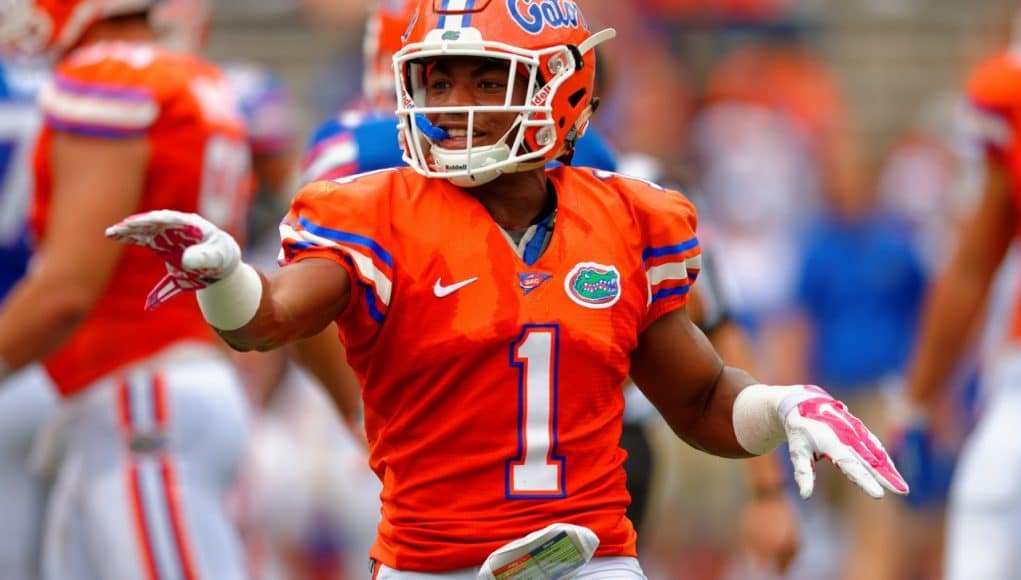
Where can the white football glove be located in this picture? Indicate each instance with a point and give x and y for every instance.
(197, 253)
(823, 427)
(815, 425)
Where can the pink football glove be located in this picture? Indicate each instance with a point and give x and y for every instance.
(197, 252)
(818, 425)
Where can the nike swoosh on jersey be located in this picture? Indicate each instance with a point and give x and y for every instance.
(442, 291)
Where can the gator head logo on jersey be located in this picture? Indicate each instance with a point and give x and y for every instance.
(534, 15)
(593, 285)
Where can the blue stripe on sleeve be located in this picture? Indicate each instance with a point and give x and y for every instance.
(667, 250)
(668, 292)
(348, 238)
(370, 295)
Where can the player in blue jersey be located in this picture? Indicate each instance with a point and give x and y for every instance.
(301, 461)
(26, 398)
(19, 123)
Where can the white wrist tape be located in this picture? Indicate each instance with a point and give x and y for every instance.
(232, 301)
(759, 412)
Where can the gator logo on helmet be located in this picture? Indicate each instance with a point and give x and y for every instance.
(593, 285)
(535, 15)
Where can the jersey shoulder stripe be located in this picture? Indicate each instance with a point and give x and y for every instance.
(97, 109)
(374, 274)
(106, 89)
(672, 269)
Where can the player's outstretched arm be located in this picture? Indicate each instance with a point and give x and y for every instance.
(957, 299)
(724, 411)
(251, 311)
(950, 322)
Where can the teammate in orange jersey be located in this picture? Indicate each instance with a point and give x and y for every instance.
(492, 309)
(152, 419)
(984, 503)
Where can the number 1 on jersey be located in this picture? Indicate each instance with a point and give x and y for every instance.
(537, 471)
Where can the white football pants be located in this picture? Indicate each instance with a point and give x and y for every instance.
(985, 498)
(148, 458)
(27, 399)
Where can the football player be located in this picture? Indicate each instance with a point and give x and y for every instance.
(492, 308)
(984, 504)
(152, 413)
(364, 138)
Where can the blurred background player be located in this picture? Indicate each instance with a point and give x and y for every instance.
(267, 106)
(152, 421)
(313, 518)
(984, 501)
(26, 398)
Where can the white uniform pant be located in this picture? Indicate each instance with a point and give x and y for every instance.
(596, 569)
(984, 517)
(27, 399)
(149, 457)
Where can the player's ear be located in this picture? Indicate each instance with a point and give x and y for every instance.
(578, 131)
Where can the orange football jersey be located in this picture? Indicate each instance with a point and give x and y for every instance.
(492, 386)
(199, 162)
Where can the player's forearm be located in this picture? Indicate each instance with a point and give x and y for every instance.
(677, 368)
(253, 312)
(950, 318)
(707, 423)
(242, 310)
(35, 320)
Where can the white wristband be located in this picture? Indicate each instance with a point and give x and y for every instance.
(759, 412)
(232, 301)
